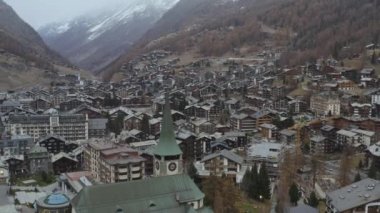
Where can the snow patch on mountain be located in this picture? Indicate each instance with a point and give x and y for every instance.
(99, 22)
(63, 28)
(120, 17)
(112, 29)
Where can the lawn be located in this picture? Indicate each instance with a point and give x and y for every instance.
(249, 206)
(42, 180)
(322, 207)
(356, 158)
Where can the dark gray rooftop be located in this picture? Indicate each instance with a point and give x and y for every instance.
(225, 153)
(354, 195)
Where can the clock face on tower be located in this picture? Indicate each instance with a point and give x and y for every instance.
(172, 167)
(157, 165)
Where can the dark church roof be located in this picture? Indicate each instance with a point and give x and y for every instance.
(159, 194)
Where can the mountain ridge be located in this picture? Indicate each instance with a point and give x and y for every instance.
(306, 30)
(25, 60)
(93, 41)
(19, 38)
(186, 26)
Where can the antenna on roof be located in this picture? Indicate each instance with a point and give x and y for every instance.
(119, 209)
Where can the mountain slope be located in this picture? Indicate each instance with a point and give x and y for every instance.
(19, 38)
(94, 40)
(324, 27)
(207, 27)
(25, 60)
(307, 29)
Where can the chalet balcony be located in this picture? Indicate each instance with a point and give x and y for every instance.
(135, 169)
(123, 170)
(123, 177)
(134, 176)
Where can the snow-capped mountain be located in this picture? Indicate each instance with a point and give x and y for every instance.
(94, 40)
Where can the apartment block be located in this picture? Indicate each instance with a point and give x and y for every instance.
(71, 127)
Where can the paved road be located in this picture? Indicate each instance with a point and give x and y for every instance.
(4, 199)
(48, 189)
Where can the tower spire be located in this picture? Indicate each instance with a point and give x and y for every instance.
(167, 145)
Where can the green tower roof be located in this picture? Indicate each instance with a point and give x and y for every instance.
(167, 145)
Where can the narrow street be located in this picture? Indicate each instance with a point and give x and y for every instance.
(4, 199)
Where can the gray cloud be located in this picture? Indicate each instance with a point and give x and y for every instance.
(41, 12)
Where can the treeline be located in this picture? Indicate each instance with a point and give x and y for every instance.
(338, 28)
(210, 28)
(219, 42)
(14, 47)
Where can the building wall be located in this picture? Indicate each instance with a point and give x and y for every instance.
(15, 146)
(368, 124)
(322, 105)
(39, 164)
(70, 130)
(375, 99)
(121, 172)
(221, 165)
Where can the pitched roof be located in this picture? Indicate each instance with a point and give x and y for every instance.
(302, 209)
(375, 149)
(354, 195)
(346, 133)
(159, 194)
(61, 155)
(50, 136)
(225, 153)
(38, 149)
(167, 145)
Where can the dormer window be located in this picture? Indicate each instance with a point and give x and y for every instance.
(119, 210)
(152, 204)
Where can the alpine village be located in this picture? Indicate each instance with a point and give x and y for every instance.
(192, 106)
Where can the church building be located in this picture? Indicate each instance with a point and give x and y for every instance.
(170, 190)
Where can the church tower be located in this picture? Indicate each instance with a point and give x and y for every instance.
(167, 154)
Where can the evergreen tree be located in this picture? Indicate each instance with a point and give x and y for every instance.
(264, 182)
(223, 118)
(244, 91)
(329, 114)
(294, 194)
(313, 200)
(246, 182)
(289, 122)
(209, 75)
(193, 174)
(372, 173)
(44, 176)
(254, 183)
(373, 58)
(360, 164)
(357, 177)
(182, 105)
(115, 125)
(336, 50)
(145, 127)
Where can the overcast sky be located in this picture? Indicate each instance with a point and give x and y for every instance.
(40, 12)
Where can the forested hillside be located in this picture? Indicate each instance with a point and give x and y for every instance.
(306, 29)
(19, 38)
(208, 27)
(325, 27)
